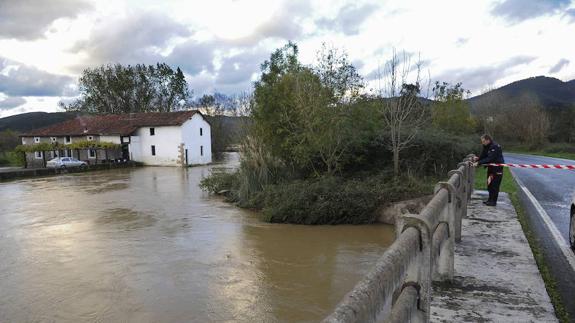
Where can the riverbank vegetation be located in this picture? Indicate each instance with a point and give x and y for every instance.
(321, 148)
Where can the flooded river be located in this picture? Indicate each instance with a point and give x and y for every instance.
(147, 245)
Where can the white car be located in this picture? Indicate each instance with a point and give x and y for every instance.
(572, 225)
(65, 162)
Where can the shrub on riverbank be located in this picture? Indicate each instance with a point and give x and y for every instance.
(337, 200)
(322, 200)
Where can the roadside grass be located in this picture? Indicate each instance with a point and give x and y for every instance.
(509, 186)
(556, 149)
(563, 155)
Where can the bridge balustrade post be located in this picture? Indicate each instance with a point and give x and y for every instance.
(448, 216)
(468, 187)
(460, 197)
(419, 273)
(471, 178)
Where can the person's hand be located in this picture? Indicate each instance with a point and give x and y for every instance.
(474, 164)
(475, 158)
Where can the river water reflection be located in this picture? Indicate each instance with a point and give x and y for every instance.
(147, 245)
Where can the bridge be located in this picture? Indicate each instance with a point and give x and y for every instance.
(400, 287)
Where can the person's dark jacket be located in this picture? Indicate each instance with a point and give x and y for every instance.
(492, 154)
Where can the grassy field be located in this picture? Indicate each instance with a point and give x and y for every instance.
(509, 186)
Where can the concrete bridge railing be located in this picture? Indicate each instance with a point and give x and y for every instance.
(399, 288)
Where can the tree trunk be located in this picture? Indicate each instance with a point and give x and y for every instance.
(395, 162)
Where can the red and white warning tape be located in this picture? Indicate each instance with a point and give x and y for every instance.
(535, 166)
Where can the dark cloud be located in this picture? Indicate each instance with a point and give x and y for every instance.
(240, 68)
(348, 19)
(477, 78)
(194, 57)
(284, 23)
(22, 80)
(11, 102)
(516, 11)
(559, 66)
(30, 19)
(135, 39)
(570, 14)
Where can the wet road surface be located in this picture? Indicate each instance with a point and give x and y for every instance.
(147, 245)
(549, 216)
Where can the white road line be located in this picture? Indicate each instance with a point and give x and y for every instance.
(561, 243)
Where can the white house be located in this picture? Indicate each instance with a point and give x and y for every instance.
(158, 138)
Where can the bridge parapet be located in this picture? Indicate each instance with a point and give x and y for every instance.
(399, 288)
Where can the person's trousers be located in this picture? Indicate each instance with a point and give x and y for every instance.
(493, 183)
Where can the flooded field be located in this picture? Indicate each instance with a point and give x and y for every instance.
(147, 245)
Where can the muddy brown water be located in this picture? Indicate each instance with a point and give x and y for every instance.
(147, 245)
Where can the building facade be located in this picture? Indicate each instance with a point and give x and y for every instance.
(162, 139)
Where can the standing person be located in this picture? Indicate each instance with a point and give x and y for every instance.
(491, 154)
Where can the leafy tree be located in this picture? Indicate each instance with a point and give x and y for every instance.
(302, 113)
(450, 112)
(111, 89)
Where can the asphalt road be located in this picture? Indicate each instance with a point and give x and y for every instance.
(546, 195)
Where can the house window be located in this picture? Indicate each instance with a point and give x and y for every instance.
(153, 150)
(92, 153)
(201, 132)
(90, 138)
(36, 139)
(201, 150)
(53, 139)
(38, 154)
(152, 131)
(68, 139)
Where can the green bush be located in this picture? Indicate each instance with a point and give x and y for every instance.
(219, 181)
(336, 200)
(434, 152)
(431, 153)
(11, 158)
(560, 148)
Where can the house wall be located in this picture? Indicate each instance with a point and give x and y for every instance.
(112, 139)
(62, 139)
(166, 141)
(82, 154)
(193, 141)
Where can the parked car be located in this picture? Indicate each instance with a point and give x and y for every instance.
(65, 162)
(572, 225)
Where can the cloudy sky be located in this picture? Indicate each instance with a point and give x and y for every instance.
(220, 44)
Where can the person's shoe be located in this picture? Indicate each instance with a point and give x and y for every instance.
(490, 203)
(485, 202)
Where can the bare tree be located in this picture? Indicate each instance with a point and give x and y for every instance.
(526, 121)
(402, 109)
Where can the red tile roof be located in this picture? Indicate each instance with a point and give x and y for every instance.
(113, 124)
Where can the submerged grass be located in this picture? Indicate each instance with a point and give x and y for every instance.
(509, 186)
